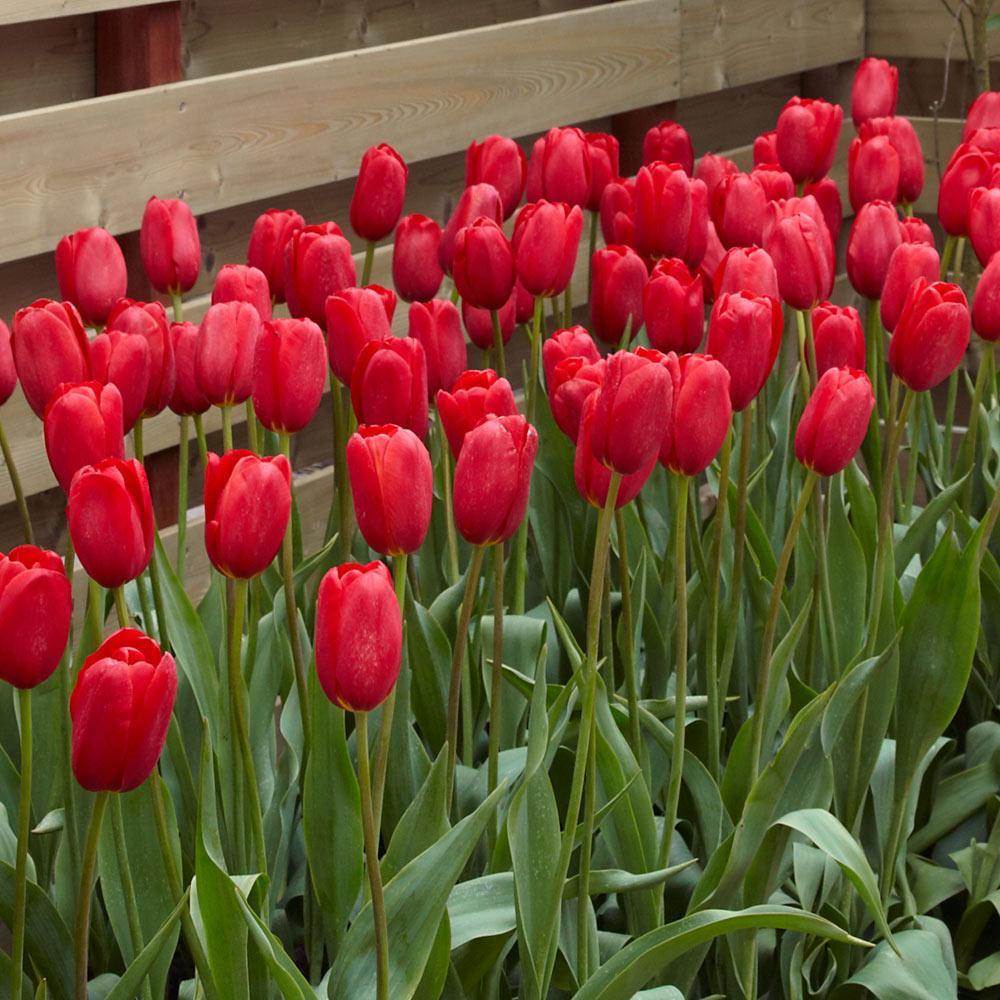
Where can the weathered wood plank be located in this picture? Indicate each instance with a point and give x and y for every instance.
(919, 28)
(16, 11)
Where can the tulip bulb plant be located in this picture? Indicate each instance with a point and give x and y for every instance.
(652, 651)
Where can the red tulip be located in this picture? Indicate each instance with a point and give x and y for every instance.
(110, 518)
(358, 636)
(983, 220)
(931, 334)
(800, 249)
(674, 307)
(247, 503)
(668, 142)
(493, 478)
(389, 384)
(913, 229)
(148, 320)
(8, 372)
(120, 709)
(834, 421)
(617, 211)
(50, 347)
(775, 181)
(483, 265)
(524, 304)
(711, 169)
(968, 168)
(289, 374)
(874, 91)
(122, 360)
(36, 604)
(701, 413)
(318, 263)
(546, 241)
(874, 236)
(479, 322)
(224, 355)
(908, 262)
(838, 337)
(187, 398)
(618, 280)
(392, 484)
(786, 207)
(169, 245)
(738, 209)
(901, 135)
(436, 325)
(765, 148)
(241, 283)
(354, 317)
(377, 202)
(985, 139)
(575, 342)
(602, 150)
(986, 302)
(560, 167)
(827, 196)
(475, 394)
(744, 269)
(711, 262)
(269, 237)
(984, 112)
(416, 270)
(806, 139)
(499, 161)
(572, 382)
(872, 171)
(671, 214)
(477, 200)
(744, 333)
(83, 425)
(90, 267)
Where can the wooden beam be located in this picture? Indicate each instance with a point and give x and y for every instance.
(920, 28)
(15, 11)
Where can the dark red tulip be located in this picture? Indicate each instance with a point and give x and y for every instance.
(169, 245)
(500, 161)
(110, 517)
(744, 333)
(602, 150)
(560, 167)
(358, 635)
(483, 265)
(436, 325)
(524, 304)
(618, 280)
(479, 322)
(986, 302)
(668, 142)
(744, 269)
(493, 479)
(968, 168)
(834, 421)
(739, 205)
(242, 283)
(377, 202)
(874, 91)
(984, 112)
(475, 393)
(711, 169)
(826, 194)
(83, 425)
(765, 148)
(872, 171)
(575, 342)
(225, 352)
(901, 135)
(149, 321)
(187, 398)
(266, 249)
(838, 337)
(806, 139)
(8, 371)
(671, 213)
(318, 263)
(416, 270)
(392, 484)
(931, 335)
(913, 229)
(674, 307)
(700, 416)
(874, 236)
(800, 249)
(617, 211)
(908, 262)
(984, 220)
(90, 267)
(247, 503)
(120, 709)
(475, 201)
(389, 384)
(572, 381)
(36, 604)
(546, 241)
(289, 374)
(354, 316)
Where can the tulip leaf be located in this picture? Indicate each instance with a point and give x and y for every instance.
(923, 525)
(430, 668)
(919, 971)
(848, 573)
(424, 821)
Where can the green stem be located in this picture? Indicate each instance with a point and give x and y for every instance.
(199, 429)
(499, 361)
(253, 429)
(128, 888)
(366, 271)
(531, 394)
(806, 373)
(15, 482)
(496, 673)
(121, 608)
(825, 596)
(946, 256)
(371, 859)
(183, 462)
(341, 483)
(967, 453)
(771, 624)
(629, 667)
(913, 463)
(95, 608)
(449, 520)
(65, 682)
(949, 426)
(894, 843)
(21, 861)
(568, 307)
(137, 442)
(227, 428)
(592, 246)
(81, 937)
(872, 334)
(178, 305)
(715, 583)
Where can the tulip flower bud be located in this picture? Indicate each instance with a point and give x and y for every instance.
(931, 335)
(575, 342)
(744, 269)
(787, 207)
(987, 140)
(247, 503)
(806, 139)
(874, 235)
(800, 249)
(602, 151)
(903, 138)
(674, 307)
(834, 421)
(744, 333)
(572, 382)
(524, 304)
(561, 164)
(289, 374)
(671, 213)
(36, 604)
(389, 384)
(50, 347)
(633, 406)
(738, 209)
(83, 425)
(711, 169)
(668, 142)
(986, 302)
(483, 265)
(765, 148)
(224, 356)
(90, 267)
(838, 337)
(775, 181)
(436, 325)
(318, 263)
(617, 212)
(475, 201)
(701, 413)
(266, 249)
(872, 171)
(908, 262)
(147, 320)
(122, 360)
(913, 229)
(983, 222)
(354, 316)
(187, 398)
(110, 518)
(826, 194)
(392, 483)
(984, 112)
(8, 373)
(711, 262)
(241, 283)
(874, 91)
(475, 394)
(120, 710)
(416, 270)
(479, 322)
(358, 636)
(546, 241)
(169, 245)
(499, 161)
(593, 479)
(968, 168)
(377, 202)
(618, 280)
(493, 478)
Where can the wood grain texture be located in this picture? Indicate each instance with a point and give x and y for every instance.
(17, 11)
(919, 28)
